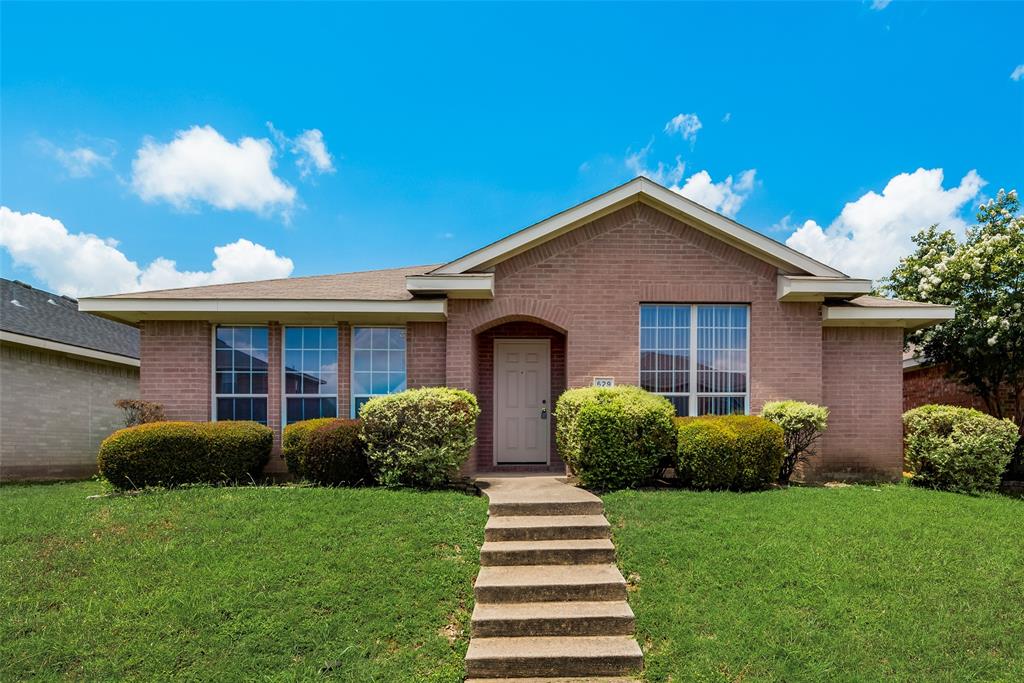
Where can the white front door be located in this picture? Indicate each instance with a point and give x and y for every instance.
(522, 393)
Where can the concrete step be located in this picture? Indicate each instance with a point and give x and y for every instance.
(553, 656)
(546, 507)
(550, 583)
(512, 619)
(586, 551)
(546, 527)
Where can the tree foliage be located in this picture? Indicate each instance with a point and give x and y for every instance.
(983, 277)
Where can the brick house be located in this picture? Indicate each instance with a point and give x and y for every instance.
(60, 372)
(636, 286)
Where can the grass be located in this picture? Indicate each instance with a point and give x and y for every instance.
(236, 583)
(849, 584)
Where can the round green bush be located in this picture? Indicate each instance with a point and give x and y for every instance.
(335, 454)
(174, 453)
(957, 449)
(738, 452)
(293, 443)
(419, 437)
(614, 438)
(802, 424)
(705, 457)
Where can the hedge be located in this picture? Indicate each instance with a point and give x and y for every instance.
(738, 452)
(957, 449)
(614, 438)
(335, 454)
(293, 443)
(419, 437)
(803, 424)
(173, 453)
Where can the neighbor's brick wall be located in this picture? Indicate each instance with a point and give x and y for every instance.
(591, 281)
(862, 371)
(485, 387)
(55, 410)
(425, 354)
(176, 367)
(928, 384)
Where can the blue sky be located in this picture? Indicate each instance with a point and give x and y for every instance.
(448, 126)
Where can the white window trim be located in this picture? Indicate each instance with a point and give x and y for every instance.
(693, 396)
(352, 395)
(213, 371)
(285, 396)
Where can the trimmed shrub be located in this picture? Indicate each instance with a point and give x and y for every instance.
(614, 438)
(739, 452)
(802, 424)
(293, 443)
(419, 437)
(957, 449)
(335, 454)
(706, 456)
(174, 453)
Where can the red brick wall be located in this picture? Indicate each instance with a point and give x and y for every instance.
(926, 384)
(425, 354)
(344, 374)
(590, 282)
(485, 385)
(176, 367)
(862, 373)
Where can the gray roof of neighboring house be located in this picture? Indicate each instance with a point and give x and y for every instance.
(36, 313)
(371, 285)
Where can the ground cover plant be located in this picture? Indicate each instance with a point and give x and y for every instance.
(236, 583)
(857, 583)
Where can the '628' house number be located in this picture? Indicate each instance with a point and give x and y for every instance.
(604, 382)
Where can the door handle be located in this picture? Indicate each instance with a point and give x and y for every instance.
(544, 414)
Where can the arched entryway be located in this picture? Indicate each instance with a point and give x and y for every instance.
(516, 430)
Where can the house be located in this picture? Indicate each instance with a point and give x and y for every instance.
(926, 382)
(60, 372)
(636, 286)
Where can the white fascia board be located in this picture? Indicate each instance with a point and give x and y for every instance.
(804, 288)
(69, 349)
(658, 197)
(134, 310)
(907, 317)
(466, 286)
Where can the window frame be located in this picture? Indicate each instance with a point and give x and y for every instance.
(352, 362)
(284, 386)
(694, 396)
(213, 371)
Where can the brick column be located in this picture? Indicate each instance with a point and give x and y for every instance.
(344, 373)
(274, 418)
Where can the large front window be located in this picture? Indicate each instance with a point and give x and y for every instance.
(696, 356)
(378, 363)
(240, 373)
(310, 373)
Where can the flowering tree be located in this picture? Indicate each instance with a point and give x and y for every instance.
(983, 276)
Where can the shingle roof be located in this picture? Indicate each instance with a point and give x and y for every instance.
(43, 315)
(368, 285)
(868, 301)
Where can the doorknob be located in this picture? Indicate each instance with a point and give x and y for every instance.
(544, 414)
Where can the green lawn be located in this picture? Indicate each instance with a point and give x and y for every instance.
(848, 584)
(236, 583)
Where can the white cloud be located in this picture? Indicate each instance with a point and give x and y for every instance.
(873, 232)
(312, 153)
(83, 264)
(81, 161)
(685, 125)
(200, 165)
(879, 5)
(726, 197)
(1018, 73)
(636, 162)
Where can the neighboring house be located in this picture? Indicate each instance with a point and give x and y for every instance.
(636, 286)
(925, 382)
(60, 372)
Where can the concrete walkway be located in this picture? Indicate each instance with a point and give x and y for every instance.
(550, 602)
